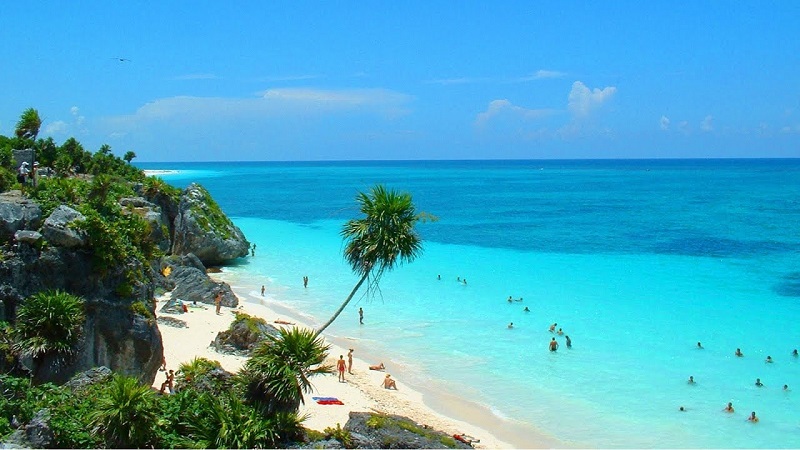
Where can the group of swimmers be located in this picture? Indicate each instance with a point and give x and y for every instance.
(729, 407)
(560, 332)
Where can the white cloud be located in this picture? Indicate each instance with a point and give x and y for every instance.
(74, 110)
(501, 107)
(582, 100)
(342, 98)
(57, 127)
(540, 74)
(707, 124)
(664, 123)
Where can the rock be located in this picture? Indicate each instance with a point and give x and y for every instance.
(203, 229)
(38, 432)
(17, 213)
(28, 237)
(392, 431)
(244, 334)
(151, 213)
(192, 284)
(171, 322)
(89, 377)
(57, 230)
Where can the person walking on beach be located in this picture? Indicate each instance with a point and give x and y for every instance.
(262, 290)
(361, 316)
(341, 366)
(553, 345)
(350, 362)
(305, 281)
(218, 301)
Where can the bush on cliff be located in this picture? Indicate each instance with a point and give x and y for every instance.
(126, 415)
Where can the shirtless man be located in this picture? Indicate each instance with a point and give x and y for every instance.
(553, 345)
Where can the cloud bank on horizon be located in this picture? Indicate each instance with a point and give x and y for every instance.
(319, 81)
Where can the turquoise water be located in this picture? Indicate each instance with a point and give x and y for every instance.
(636, 260)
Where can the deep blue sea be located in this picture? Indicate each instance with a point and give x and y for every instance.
(637, 261)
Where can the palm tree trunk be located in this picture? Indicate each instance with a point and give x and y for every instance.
(341, 308)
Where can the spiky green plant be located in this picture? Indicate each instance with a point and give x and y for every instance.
(125, 415)
(49, 323)
(279, 371)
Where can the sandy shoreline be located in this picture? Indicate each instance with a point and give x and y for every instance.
(361, 392)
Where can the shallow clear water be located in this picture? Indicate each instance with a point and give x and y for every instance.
(636, 260)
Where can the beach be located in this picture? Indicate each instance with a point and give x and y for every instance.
(362, 391)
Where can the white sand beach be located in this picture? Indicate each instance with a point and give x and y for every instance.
(362, 390)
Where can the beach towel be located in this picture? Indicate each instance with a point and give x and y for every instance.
(327, 400)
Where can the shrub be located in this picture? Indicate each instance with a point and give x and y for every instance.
(340, 434)
(125, 414)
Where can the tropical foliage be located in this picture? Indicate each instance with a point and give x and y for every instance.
(126, 415)
(49, 323)
(280, 369)
(383, 238)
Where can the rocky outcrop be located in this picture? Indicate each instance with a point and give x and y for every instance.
(89, 377)
(192, 284)
(243, 336)
(203, 229)
(57, 230)
(368, 430)
(17, 213)
(152, 214)
(36, 434)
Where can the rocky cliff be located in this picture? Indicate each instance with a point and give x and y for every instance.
(40, 253)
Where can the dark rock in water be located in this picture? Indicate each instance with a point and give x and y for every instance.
(89, 377)
(243, 336)
(57, 230)
(203, 229)
(370, 430)
(17, 213)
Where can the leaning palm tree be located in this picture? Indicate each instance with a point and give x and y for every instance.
(125, 414)
(279, 370)
(48, 324)
(383, 238)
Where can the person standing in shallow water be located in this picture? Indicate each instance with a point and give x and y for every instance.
(553, 345)
(361, 316)
(262, 290)
(305, 281)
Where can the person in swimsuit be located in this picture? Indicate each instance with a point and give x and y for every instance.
(752, 417)
(729, 408)
(341, 366)
(739, 352)
(553, 345)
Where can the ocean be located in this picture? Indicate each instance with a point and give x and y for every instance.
(636, 260)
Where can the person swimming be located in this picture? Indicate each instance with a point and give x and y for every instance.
(553, 327)
(699, 346)
(739, 352)
(526, 309)
(768, 360)
(759, 383)
(729, 408)
(752, 417)
(511, 325)
(691, 380)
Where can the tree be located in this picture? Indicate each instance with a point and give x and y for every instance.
(125, 415)
(383, 238)
(48, 324)
(278, 372)
(28, 128)
(129, 155)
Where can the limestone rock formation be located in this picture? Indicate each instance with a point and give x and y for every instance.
(17, 213)
(192, 284)
(57, 230)
(152, 214)
(203, 229)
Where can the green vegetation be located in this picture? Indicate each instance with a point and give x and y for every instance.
(210, 217)
(125, 416)
(382, 239)
(49, 323)
(340, 434)
(279, 371)
(379, 421)
(138, 307)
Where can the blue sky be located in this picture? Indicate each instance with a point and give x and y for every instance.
(210, 81)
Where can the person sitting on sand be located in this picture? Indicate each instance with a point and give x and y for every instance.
(739, 352)
(759, 383)
(729, 408)
(284, 322)
(377, 367)
(752, 417)
(168, 383)
(389, 383)
(465, 438)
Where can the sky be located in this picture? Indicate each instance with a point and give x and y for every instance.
(381, 80)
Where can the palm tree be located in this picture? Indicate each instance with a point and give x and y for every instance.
(383, 238)
(279, 370)
(129, 155)
(28, 128)
(49, 323)
(125, 415)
